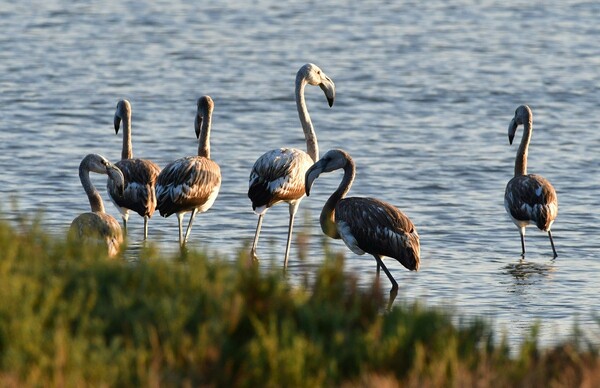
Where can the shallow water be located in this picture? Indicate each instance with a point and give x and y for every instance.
(425, 93)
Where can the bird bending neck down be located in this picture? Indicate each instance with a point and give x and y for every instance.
(278, 175)
(366, 225)
(529, 198)
(97, 226)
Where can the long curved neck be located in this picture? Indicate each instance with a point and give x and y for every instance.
(93, 194)
(312, 147)
(521, 161)
(127, 151)
(327, 218)
(204, 140)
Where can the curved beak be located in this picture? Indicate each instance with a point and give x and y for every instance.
(115, 174)
(311, 174)
(512, 129)
(198, 125)
(328, 87)
(117, 123)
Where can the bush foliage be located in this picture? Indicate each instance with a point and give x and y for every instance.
(71, 317)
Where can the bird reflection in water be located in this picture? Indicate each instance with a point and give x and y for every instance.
(527, 272)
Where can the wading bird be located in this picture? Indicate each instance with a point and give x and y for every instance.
(366, 225)
(278, 175)
(97, 226)
(140, 175)
(528, 198)
(191, 184)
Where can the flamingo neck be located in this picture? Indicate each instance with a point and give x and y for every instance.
(521, 161)
(93, 194)
(312, 147)
(204, 140)
(327, 218)
(127, 152)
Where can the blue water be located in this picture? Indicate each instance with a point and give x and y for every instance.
(425, 92)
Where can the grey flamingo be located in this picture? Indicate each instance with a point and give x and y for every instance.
(140, 175)
(366, 225)
(278, 175)
(98, 226)
(192, 183)
(529, 198)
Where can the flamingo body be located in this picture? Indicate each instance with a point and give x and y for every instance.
(529, 198)
(94, 227)
(187, 184)
(368, 225)
(278, 176)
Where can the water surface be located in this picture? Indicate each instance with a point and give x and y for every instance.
(425, 93)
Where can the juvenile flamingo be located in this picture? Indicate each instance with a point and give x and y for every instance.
(529, 198)
(278, 175)
(192, 183)
(140, 175)
(98, 226)
(366, 225)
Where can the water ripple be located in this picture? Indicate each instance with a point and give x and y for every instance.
(425, 92)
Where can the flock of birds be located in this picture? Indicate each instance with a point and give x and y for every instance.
(366, 225)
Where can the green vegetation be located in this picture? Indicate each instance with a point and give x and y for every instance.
(71, 317)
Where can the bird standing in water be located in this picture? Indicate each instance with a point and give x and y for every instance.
(529, 198)
(366, 225)
(278, 175)
(140, 175)
(192, 183)
(97, 226)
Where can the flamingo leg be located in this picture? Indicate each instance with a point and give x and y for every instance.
(256, 234)
(289, 241)
(189, 228)
(179, 221)
(387, 272)
(293, 209)
(393, 294)
(125, 217)
(522, 232)
(145, 227)
(552, 243)
(393, 291)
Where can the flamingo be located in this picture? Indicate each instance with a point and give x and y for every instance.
(192, 183)
(278, 175)
(98, 226)
(140, 175)
(529, 198)
(366, 225)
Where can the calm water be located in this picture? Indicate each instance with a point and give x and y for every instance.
(424, 97)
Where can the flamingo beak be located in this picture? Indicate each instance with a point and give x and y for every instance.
(115, 174)
(117, 123)
(512, 129)
(198, 125)
(311, 174)
(328, 87)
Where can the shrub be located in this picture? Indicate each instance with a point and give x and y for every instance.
(72, 317)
